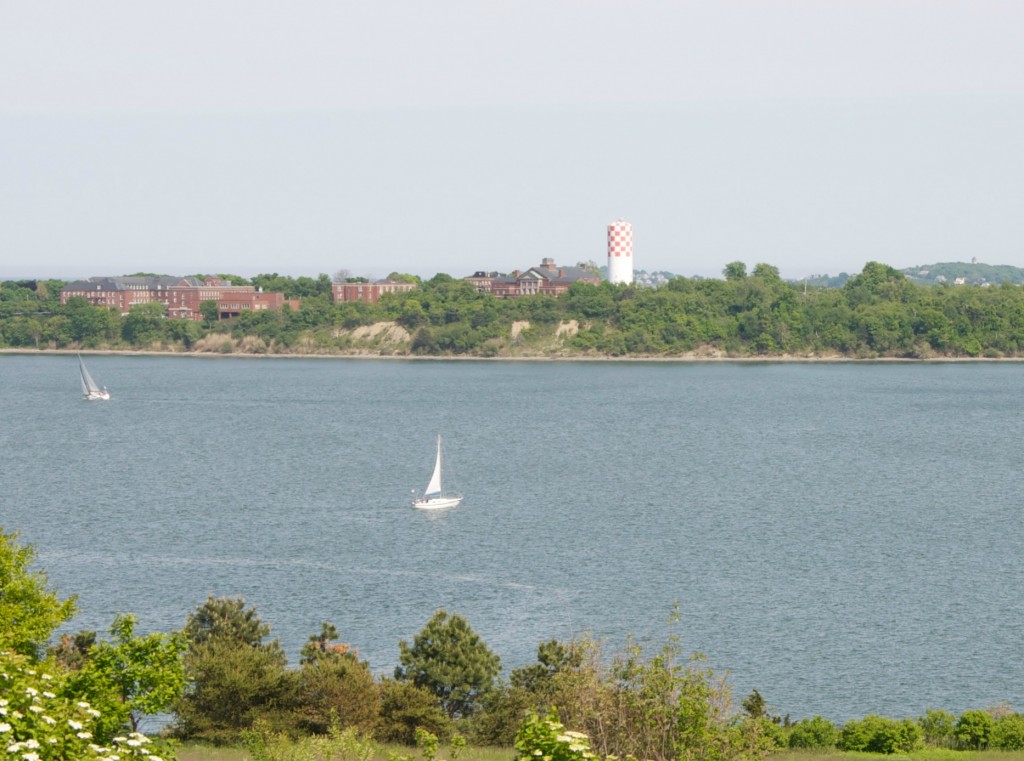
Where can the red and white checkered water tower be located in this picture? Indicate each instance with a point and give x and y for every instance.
(620, 252)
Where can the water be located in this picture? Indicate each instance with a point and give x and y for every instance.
(845, 538)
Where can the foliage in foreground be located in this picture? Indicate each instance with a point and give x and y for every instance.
(657, 706)
(41, 719)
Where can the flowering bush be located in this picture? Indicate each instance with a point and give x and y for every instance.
(547, 740)
(38, 722)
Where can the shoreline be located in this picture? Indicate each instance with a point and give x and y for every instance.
(775, 359)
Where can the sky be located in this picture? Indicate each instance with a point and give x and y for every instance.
(307, 137)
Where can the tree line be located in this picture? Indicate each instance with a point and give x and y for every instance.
(225, 681)
(876, 313)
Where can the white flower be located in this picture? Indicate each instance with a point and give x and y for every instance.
(94, 713)
(5, 727)
(74, 724)
(3, 701)
(36, 709)
(49, 721)
(45, 677)
(84, 735)
(31, 691)
(49, 695)
(155, 758)
(32, 743)
(134, 744)
(82, 704)
(30, 756)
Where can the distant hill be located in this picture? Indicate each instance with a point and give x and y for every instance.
(973, 273)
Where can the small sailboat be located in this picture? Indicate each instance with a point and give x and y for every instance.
(90, 391)
(434, 497)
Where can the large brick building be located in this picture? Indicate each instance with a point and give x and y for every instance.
(548, 279)
(181, 296)
(368, 291)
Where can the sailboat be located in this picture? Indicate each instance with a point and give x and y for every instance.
(434, 497)
(90, 391)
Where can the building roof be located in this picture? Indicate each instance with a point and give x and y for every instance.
(125, 283)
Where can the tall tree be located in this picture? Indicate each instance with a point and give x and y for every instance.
(234, 677)
(132, 676)
(450, 660)
(29, 611)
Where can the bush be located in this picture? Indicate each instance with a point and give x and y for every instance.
(1008, 732)
(816, 732)
(548, 739)
(404, 708)
(338, 689)
(937, 727)
(877, 734)
(264, 744)
(40, 719)
(974, 729)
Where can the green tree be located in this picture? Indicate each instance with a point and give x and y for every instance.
(877, 734)
(337, 688)
(42, 720)
(145, 324)
(234, 678)
(735, 271)
(29, 610)
(816, 732)
(208, 309)
(1008, 732)
(226, 619)
(974, 729)
(404, 708)
(132, 676)
(451, 661)
(937, 727)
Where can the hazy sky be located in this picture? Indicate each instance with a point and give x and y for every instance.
(247, 136)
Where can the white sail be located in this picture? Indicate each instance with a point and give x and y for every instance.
(90, 390)
(434, 487)
(434, 497)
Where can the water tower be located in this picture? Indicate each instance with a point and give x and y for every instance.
(620, 252)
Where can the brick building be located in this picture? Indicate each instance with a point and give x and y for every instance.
(368, 291)
(548, 279)
(181, 296)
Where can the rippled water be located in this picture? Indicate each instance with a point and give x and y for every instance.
(845, 538)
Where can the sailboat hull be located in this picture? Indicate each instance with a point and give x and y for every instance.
(93, 396)
(435, 503)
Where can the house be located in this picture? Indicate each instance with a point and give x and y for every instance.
(547, 279)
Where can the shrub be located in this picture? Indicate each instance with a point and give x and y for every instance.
(339, 686)
(816, 732)
(548, 739)
(877, 734)
(404, 708)
(40, 720)
(264, 744)
(974, 729)
(1008, 732)
(937, 727)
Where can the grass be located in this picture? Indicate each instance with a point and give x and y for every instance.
(191, 752)
(209, 753)
(928, 754)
